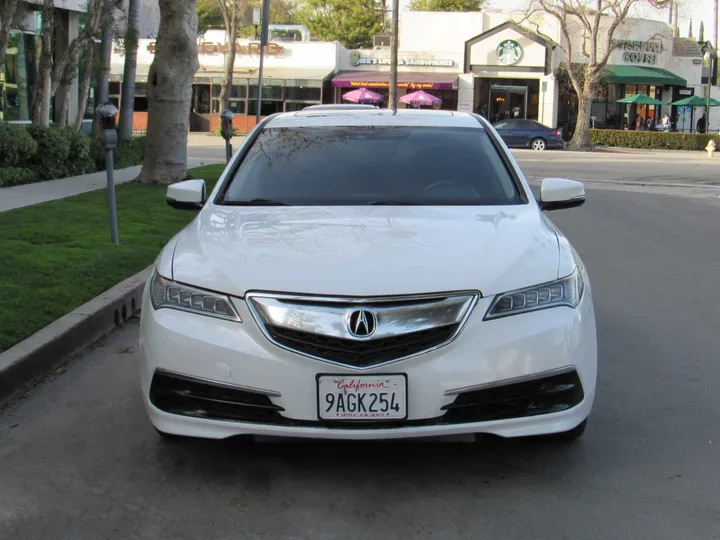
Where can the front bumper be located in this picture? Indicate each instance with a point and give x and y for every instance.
(251, 386)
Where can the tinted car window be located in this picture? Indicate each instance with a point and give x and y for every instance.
(372, 165)
(504, 124)
(528, 124)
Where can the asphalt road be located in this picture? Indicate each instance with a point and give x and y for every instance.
(79, 460)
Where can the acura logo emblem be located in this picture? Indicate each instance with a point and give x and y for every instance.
(362, 323)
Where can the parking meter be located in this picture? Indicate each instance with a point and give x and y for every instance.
(106, 114)
(227, 130)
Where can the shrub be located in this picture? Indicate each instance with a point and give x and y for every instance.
(79, 159)
(53, 152)
(126, 154)
(129, 153)
(217, 132)
(36, 153)
(651, 139)
(17, 147)
(13, 176)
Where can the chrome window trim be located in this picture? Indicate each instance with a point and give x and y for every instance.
(474, 298)
(230, 386)
(514, 380)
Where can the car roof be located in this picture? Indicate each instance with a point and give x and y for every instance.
(375, 117)
(339, 106)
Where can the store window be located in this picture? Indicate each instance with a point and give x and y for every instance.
(17, 77)
(141, 102)
(238, 95)
(114, 93)
(300, 93)
(201, 98)
(272, 101)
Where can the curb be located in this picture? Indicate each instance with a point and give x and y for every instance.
(51, 346)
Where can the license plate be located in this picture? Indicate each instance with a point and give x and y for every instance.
(362, 397)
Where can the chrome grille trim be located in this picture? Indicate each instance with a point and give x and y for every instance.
(330, 317)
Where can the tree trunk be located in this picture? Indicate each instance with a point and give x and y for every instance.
(170, 93)
(581, 137)
(65, 96)
(230, 41)
(85, 85)
(128, 86)
(21, 75)
(41, 107)
(7, 15)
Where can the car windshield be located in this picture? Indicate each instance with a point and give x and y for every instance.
(361, 165)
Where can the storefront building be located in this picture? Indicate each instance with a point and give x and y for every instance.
(478, 61)
(20, 74)
(488, 64)
(296, 74)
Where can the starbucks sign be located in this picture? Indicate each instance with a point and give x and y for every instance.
(509, 52)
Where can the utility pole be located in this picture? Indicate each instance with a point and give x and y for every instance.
(263, 45)
(106, 39)
(715, 25)
(393, 101)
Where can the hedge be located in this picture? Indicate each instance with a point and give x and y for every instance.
(35, 153)
(16, 145)
(652, 139)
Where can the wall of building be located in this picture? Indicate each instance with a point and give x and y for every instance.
(294, 54)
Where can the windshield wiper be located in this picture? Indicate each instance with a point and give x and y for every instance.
(256, 202)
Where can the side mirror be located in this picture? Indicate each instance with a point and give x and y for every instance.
(558, 193)
(187, 195)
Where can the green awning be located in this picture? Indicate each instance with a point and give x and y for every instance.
(640, 99)
(626, 74)
(696, 101)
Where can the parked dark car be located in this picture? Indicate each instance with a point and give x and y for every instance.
(519, 133)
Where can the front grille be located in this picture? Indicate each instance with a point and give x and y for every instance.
(552, 394)
(358, 353)
(187, 396)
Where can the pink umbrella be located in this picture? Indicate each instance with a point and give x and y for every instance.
(362, 95)
(420, 98)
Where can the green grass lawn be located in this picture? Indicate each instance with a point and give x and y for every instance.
(56, 256)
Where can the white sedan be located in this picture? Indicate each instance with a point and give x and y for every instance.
(370, 274)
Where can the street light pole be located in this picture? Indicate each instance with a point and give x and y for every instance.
(263, 45)
(709, 57)
(393, 101)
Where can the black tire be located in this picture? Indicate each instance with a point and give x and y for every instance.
(538, 144)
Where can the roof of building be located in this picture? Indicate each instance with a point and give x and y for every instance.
(686, 47)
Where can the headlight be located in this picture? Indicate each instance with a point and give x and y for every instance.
(165, 293)
(564, 292)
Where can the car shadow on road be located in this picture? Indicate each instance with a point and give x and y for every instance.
(488, 460)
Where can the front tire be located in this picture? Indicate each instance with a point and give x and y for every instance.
(538, 144)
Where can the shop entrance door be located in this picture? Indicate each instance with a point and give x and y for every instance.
(507, 102)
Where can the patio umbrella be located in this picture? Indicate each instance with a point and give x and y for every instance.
(696, 101)
(640, 99)
(420, 98)
(362, 95)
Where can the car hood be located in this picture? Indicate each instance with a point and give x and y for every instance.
(366, 251)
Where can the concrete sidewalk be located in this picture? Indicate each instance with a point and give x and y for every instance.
(50, 190)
